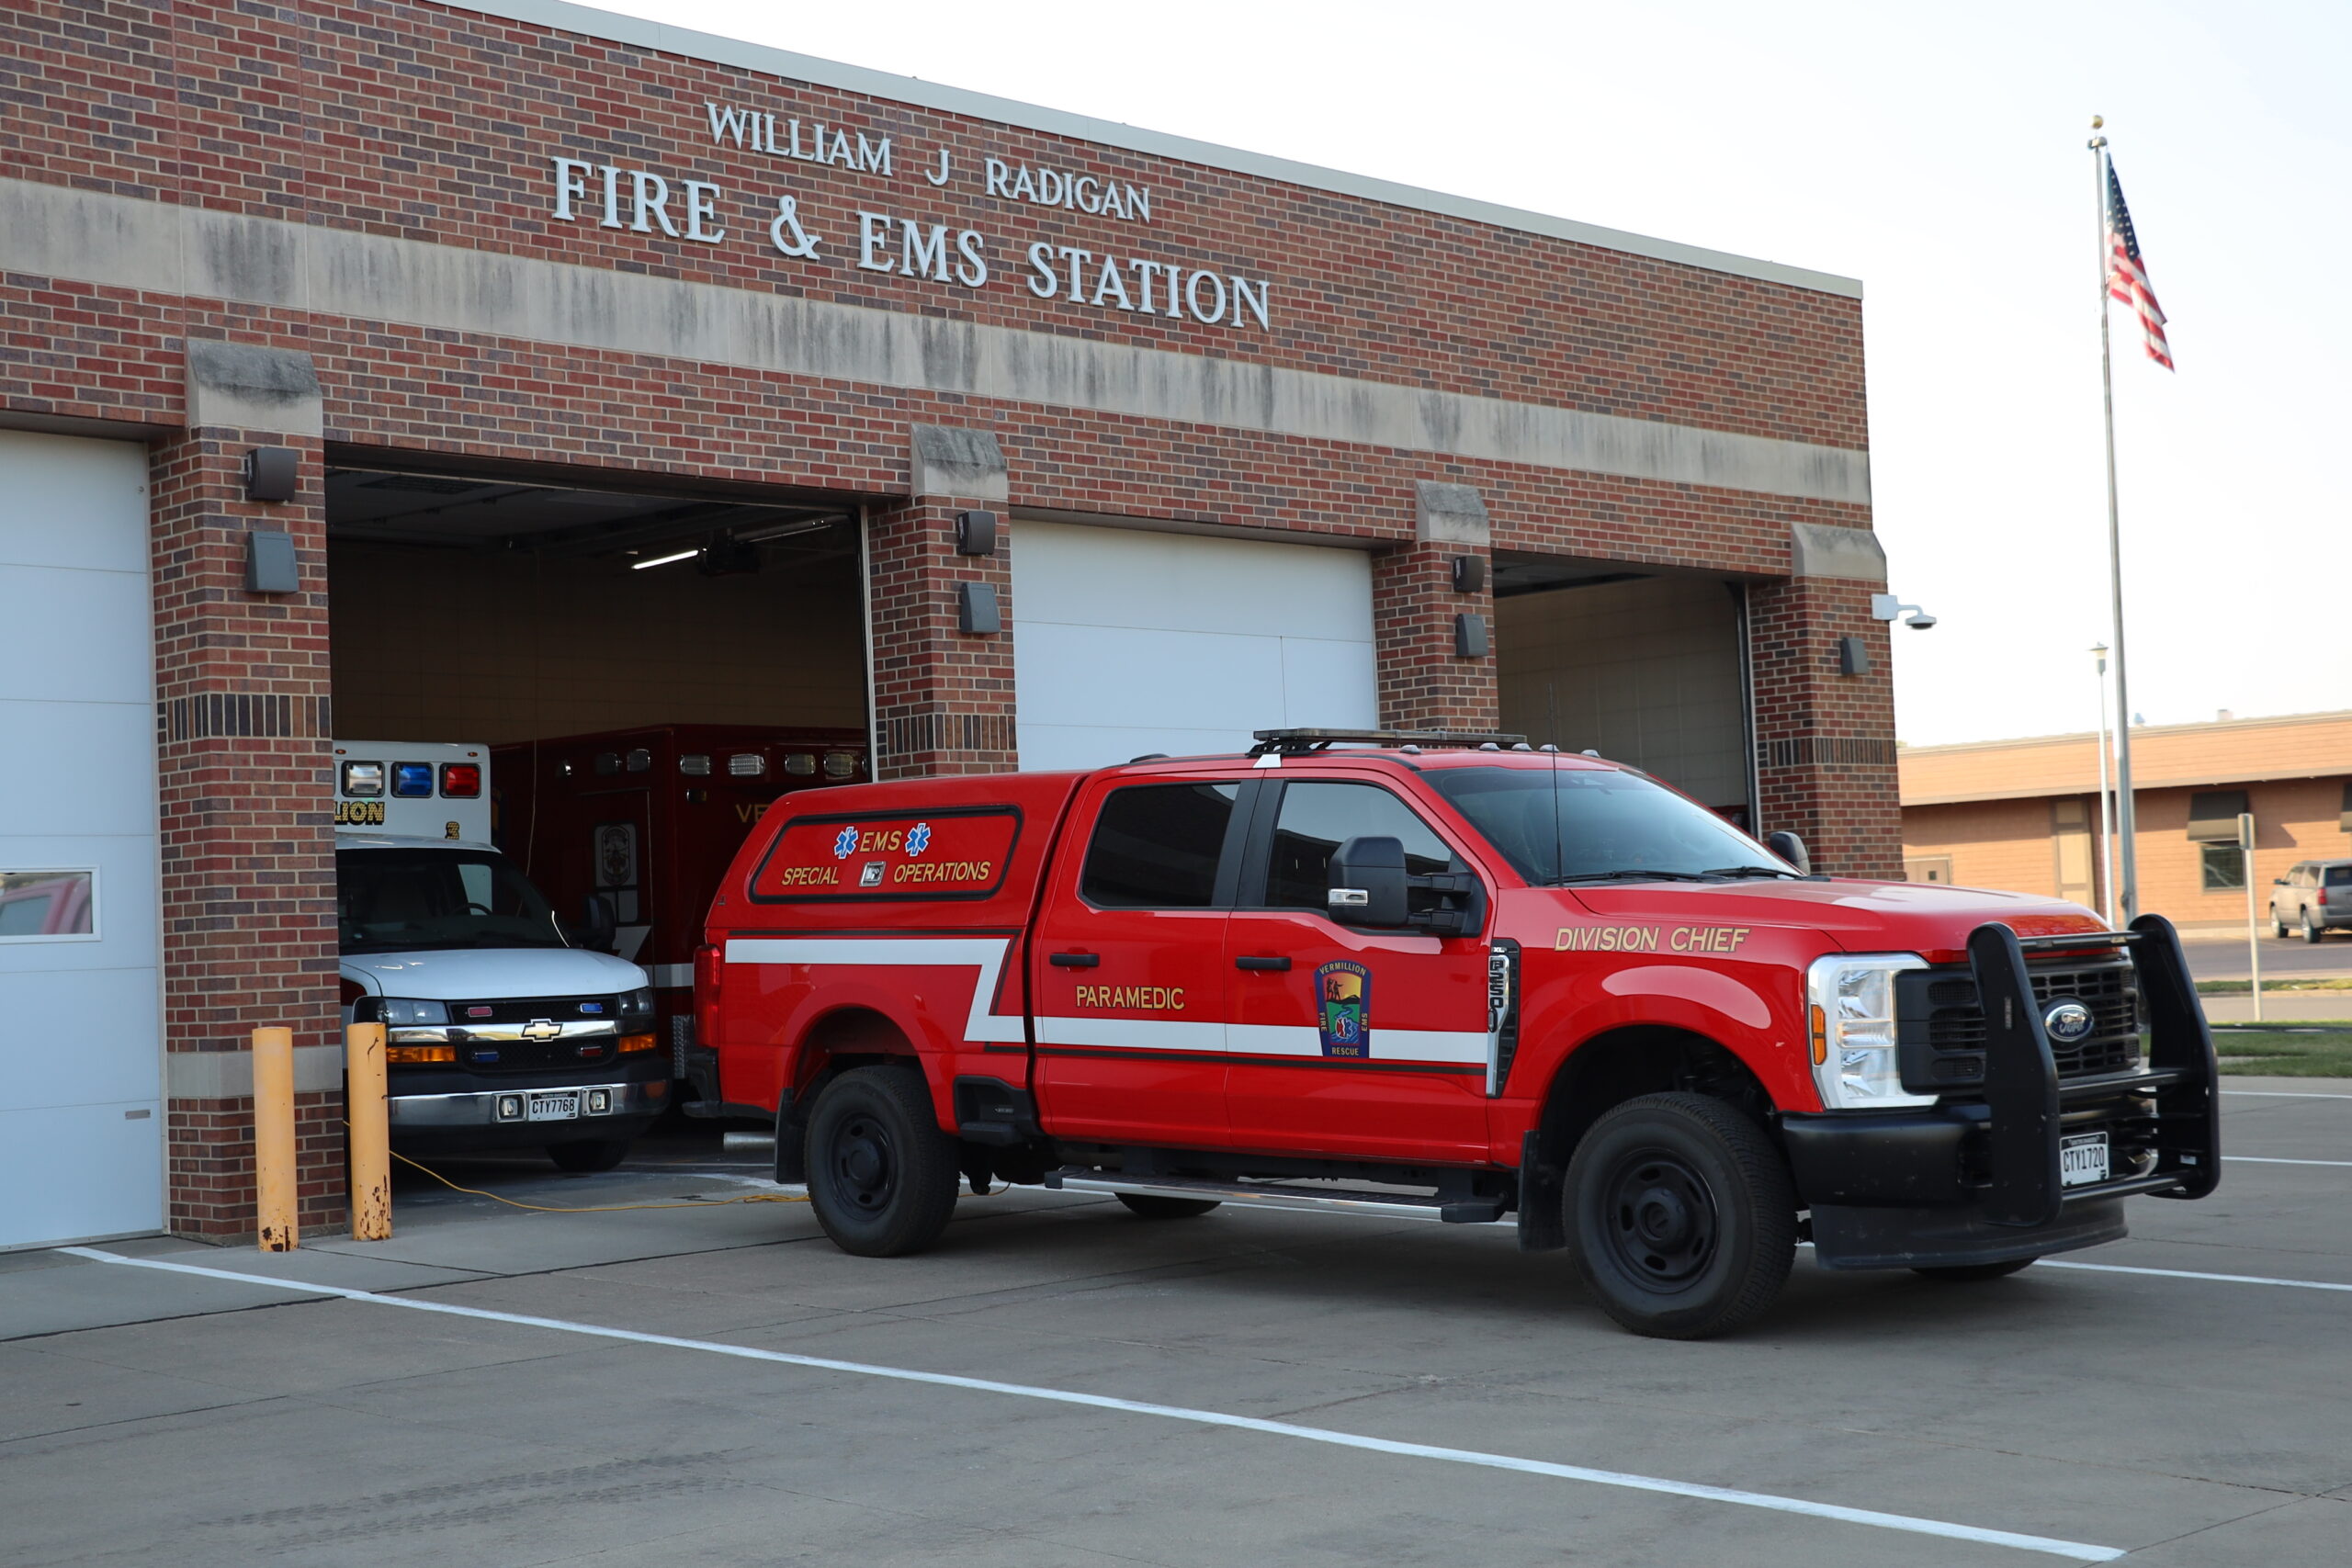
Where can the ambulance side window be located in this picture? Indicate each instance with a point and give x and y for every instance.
(1156, 846)
(1317, 818)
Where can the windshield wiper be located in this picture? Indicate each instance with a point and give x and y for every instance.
(1638, 876)
(1754, 871)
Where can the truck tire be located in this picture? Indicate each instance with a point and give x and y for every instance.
(1963, 1273)
(2311, 931)
(1681, 1215)
(882, 1176)
(588, 1155)
(2277, 923)
(1152, 1206)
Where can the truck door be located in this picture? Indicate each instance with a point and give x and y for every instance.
(1127, 966)
(1344, 1041)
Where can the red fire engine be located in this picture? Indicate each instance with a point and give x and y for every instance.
(645, 820)
(1445, 977)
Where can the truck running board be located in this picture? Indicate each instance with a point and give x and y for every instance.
(1270, 1195)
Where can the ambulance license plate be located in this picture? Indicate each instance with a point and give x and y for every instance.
(566, 1108)
(2082, 1159)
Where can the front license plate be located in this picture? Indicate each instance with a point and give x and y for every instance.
(566, 1108)
(2082, 1159)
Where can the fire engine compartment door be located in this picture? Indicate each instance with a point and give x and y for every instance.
(1127, 975)
(1369, 1043)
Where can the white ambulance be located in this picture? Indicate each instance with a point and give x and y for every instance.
(504, 1028)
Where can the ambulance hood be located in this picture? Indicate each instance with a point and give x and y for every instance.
(494, 973)
(1926, 917)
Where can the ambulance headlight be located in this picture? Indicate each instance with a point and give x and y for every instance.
(400, 1011)
(1850, 1017)
(636, 1011)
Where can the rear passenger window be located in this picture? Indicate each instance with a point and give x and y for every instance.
(2340, 875)
(1156, 846)
(1317, 818)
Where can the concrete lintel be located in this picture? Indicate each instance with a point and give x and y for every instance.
(229, 1075)
(1450, 514)
(958, 461)
(1825, 549)
(242, 385)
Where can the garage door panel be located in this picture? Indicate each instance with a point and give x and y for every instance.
(65, 502)
(77, 1173)
(49, 616)
(77, 769)
(126, 915)
(1127, 642)
(80, 1037)
(1332, 685)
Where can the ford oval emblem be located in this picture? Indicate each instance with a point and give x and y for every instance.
(2068, 1024)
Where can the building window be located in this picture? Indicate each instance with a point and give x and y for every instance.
(2224, 867)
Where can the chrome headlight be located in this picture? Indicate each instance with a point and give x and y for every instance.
(399, 1012)
(1849, 1016)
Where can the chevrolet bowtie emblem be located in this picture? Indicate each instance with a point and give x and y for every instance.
(542, 1029)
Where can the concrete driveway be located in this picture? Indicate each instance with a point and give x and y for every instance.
(1251, 1387)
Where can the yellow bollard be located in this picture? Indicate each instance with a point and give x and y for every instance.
(275, 1205)
(371, 1136)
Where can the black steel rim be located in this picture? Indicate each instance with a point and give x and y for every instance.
(866, 1165)
(1659, 1221)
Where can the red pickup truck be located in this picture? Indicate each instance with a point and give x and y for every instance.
(1445, 977)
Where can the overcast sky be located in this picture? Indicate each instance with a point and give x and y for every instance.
(1936, 153)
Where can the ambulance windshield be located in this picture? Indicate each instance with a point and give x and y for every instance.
(412, 900)
(1597, 824)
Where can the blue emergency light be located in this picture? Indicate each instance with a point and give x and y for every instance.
(413, 780)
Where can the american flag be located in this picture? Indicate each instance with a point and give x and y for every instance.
(2127, 276)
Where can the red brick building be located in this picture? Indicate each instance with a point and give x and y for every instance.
(538, 296)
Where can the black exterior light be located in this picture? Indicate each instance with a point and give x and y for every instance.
(1853, 656)
(269, 562)
(1469, 574)
(976, 533)
(976, 610)
(1470, 636)
(272, 473)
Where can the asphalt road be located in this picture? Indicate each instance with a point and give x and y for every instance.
(157, 1417)
(2283, 958)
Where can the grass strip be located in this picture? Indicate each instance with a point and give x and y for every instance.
(2261, 1053)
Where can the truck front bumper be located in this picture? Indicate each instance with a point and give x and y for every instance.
(489, 1118)
(1978, 1181)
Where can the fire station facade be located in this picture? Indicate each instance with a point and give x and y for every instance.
(512, 369)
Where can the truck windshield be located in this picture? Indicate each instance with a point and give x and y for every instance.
(409, 900)
(1594, 824)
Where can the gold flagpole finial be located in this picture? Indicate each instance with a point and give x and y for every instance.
(2098, 122)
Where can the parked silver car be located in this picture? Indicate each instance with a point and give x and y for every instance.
(2312, 898)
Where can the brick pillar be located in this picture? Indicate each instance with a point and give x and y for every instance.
(1825, 741)
(242, 727)
(943, 696)
(1425, 684)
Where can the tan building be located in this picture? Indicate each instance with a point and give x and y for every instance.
(2024, 815)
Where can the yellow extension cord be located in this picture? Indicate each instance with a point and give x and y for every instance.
(600, 1209)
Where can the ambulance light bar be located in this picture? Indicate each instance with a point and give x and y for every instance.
(413, 780)
(460, 781)
(363, 781)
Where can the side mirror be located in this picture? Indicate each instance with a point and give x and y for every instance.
(597, 928)
(2278, 882)
(1790, 848)
(1368, 883)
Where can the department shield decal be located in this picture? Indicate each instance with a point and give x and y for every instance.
(1343, 1008)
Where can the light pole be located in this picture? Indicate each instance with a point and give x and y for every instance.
(2106, 801)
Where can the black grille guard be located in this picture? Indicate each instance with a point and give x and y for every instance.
(2021, 1088)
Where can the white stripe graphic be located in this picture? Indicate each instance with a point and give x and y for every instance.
(985, 954)
(1133, 1033)
(2253, 1159)
(2191, 1274)
(2078, 1550)
(1387, 1045)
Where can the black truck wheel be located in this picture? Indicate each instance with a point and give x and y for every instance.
(1963, 1273)
(1682, 1216)
(882, 1176)
(1152, 1206)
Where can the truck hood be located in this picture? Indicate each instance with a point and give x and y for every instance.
(483, 973)
(1926, 917)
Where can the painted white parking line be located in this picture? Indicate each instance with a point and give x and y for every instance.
(2257, 1160)
(2079, 1551)
(2190, 1274)
(2280, 1094)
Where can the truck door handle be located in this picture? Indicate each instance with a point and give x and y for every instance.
(1074, 960)
(1253, 961)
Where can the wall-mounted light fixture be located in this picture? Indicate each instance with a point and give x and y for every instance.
(271, 566)
(1853, 656)
(1470, 636)
(272, 473)
(976, 533)
(976, 609)
(1469, 574)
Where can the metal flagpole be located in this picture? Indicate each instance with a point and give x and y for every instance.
(2124, 816)
(2106, 799)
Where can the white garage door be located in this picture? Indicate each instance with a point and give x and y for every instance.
(1126, 642)
(81, 1073)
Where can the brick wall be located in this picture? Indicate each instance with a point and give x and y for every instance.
(1825, 742)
